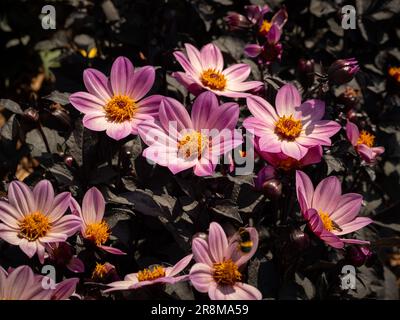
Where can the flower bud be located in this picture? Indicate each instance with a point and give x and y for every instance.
(69, 160)
(343, 71)
(31, 114)
(358, 255)
(305, 70)
(273, 188)
(236, 21)
(299, 239)
(265, 174)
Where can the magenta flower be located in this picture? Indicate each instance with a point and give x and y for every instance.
(293, 128)
(31, 219)
(180, 142)
(22, 284)
(116, 104)
(93, 227)
(284, 162)
(204, 70)
(217, 271)
(363, 142)
(329, 213)
(60, 253)
(152, 275)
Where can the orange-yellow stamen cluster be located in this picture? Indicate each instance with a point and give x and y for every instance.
(98, 232)
(34, 226)
(394, 72)
(120, 109)
(265, 27)
(226, 273)
(366, 138)
(151, 273)
(192, 144)
(213, 79)
(288, 128)
(100, 271)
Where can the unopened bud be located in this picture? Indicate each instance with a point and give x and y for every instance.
(299, 239)
(305, 70)
(236, 21)
(31, 114)
(343, 71)
(358, 255)
(273, 188)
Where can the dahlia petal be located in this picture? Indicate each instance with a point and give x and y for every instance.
(53, 237)
(287, 99)
(93, 206)
(331, 239)
(313, 156)
(97, 84)
(142, 81)
(65, 289)
(172, 110)
(356, 224)
(21, 197)
(118, 285)
(280, 18)
(76, 265)
(305, 187)
(352, 133)
(231, 94)
(75, 207)
(293, 149)
(243, 86)
(188, 82)
(9, 215)
(252, 50)
(202, 108)
(365, 152)
(311, 111)
(43, 194)
(95, 121)
(201, 251)
(217, 242)
(28, 247)
(355, 241)
(348, 207)
(239, 291)
(237, 73)
(112, 250)
(151, 132)
(259, 127)
(274, 34)
(186, 65)
(149, 106)
(9, 234)
(59, 206)
(211, 57)
(40, 251)
(20, 282)
(261, 109)
(327, 194)
(180, 266)
(201, 277)
(67, 225)
(121, 76)
(118, 131)
(270, 143)
(194, 57)
(86, 102)
(204, 169)
(223, 117)
(325, 128)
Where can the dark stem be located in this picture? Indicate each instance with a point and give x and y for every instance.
(46, 143)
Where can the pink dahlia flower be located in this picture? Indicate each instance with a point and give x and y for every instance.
(284, 162)
(22, 284)
(152, 275)
(93, 227)
(116, 104)
(179, 141)
(330, 213)
(363, 142)
(217, 271)
(204, 70)
(293, 128)
(31, 219)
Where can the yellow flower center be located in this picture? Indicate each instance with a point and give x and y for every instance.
(288, 128)
(98, 232)
(329, 224)
(34, 226)
(100, 271)
(192, 144)
(226, 273)
(394, 72)
(288, 164)
(120, 109)
(265, 27)
(213, 79)
(151, 273)
(366, 138)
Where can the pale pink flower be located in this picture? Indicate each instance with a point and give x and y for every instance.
(363, 142)
(204, 70)
(293, 128)
(179, 141)
(152, 275)
(93, 227)
(31, 219)
(330, 213)
(218, 268)
(117, 105)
